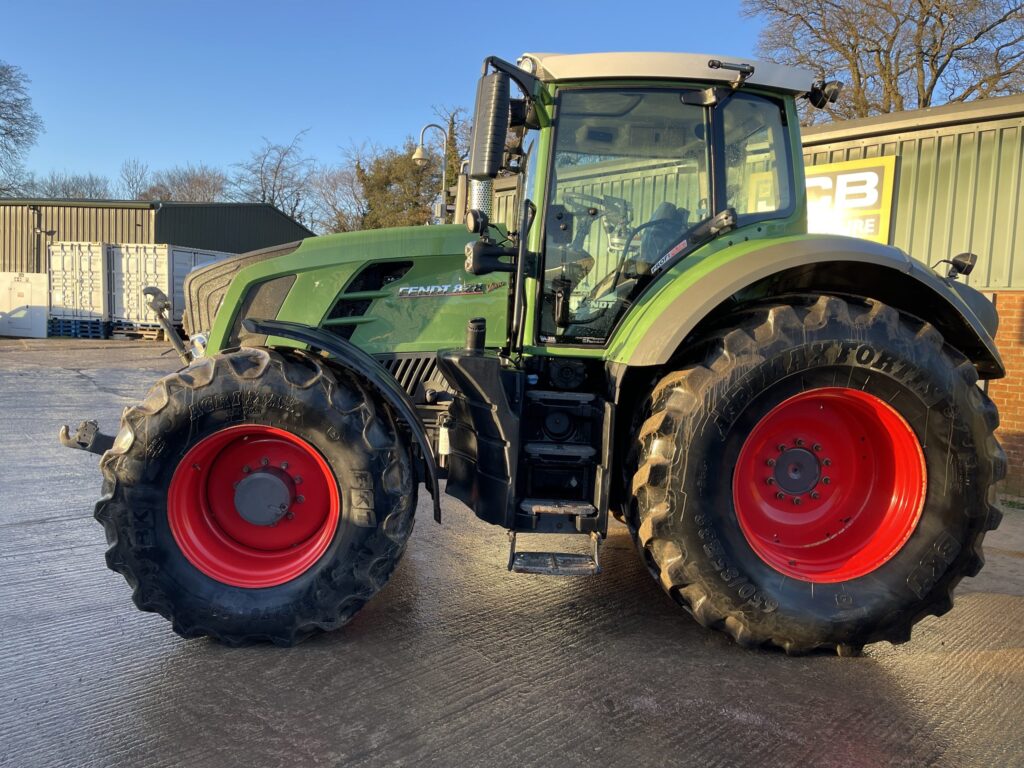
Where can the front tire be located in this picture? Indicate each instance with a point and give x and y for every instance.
(821, 479)
(257, 496)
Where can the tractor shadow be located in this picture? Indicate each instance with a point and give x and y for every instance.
(458, 662)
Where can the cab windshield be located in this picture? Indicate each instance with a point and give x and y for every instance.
(630, 181)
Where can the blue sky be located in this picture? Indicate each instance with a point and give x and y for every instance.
(174, 82)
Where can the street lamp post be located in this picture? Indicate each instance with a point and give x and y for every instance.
(420, 158)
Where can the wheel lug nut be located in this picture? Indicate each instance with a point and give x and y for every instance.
(297, 480)
(796, 500)
(826, 480)
(289, 515)
(799, 441)
(817, 446)
(246, 469)
(827, 462)
(284, 465)
(300, 499)
(781, 447)
(264, 461)
(780, 495)
(770, 462)
(770, 480)
(815, 495)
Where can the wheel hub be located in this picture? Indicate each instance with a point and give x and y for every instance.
(264, 497)
(253, 506)
(797, 471)
(829, 484)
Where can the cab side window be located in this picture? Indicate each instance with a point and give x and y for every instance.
(757, 179)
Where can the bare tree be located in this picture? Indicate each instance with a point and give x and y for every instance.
(133, 179)
(279, 174)
(898, 54)
(20, 126)
(69, 186)
(188, 183)
(338, 203)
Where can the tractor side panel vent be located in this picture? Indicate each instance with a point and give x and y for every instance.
(349, 308)
(346, 308)
(373, 277)
(415, 373)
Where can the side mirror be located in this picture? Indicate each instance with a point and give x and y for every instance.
(490, 126)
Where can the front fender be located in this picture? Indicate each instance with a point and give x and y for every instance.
(372, 372)
(666, 318)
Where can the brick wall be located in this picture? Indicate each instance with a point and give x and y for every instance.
(1008, 393)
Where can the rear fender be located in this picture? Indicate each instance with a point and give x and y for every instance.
(814, 264)
(372, 372)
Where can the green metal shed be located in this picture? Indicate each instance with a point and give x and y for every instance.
(958, 180)
(28, 226)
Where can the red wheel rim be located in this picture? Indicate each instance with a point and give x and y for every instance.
(829, 485)
(211, 531)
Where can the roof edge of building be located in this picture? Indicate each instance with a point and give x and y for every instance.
(979, 110)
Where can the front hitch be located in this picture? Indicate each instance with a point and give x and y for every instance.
(86, 438)
(159, 303)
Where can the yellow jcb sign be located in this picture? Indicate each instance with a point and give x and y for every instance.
(851, 198)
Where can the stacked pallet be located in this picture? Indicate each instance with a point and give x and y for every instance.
(120, 329)
(78, 329)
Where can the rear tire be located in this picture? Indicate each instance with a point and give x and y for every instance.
(187, 552)
(723, 545)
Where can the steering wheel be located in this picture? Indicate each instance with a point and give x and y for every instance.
(582, 204)
(612, 287)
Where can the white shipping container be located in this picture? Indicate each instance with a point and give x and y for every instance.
(134, 267)
(78, 281)
(23, 298)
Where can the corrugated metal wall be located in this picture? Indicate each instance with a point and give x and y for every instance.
(23, 249)
(230, 227)
(958, 182)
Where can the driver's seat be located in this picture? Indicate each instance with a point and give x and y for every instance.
(667, 223)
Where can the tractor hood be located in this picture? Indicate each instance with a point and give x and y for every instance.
(401, 289)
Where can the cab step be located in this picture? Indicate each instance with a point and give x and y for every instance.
(557, 507)
(555, 563)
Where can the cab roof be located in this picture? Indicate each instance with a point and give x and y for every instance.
(553, 67)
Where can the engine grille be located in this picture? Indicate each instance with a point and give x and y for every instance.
(415, 373)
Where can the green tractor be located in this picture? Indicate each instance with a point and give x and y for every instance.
(790, 425)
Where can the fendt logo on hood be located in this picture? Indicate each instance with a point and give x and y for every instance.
(450, 289)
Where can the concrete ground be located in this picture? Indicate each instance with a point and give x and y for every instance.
(457, 662)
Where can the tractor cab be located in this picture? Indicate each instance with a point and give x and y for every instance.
(627, 176)
(621, 179)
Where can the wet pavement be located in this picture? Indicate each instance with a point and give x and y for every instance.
(456, 662)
